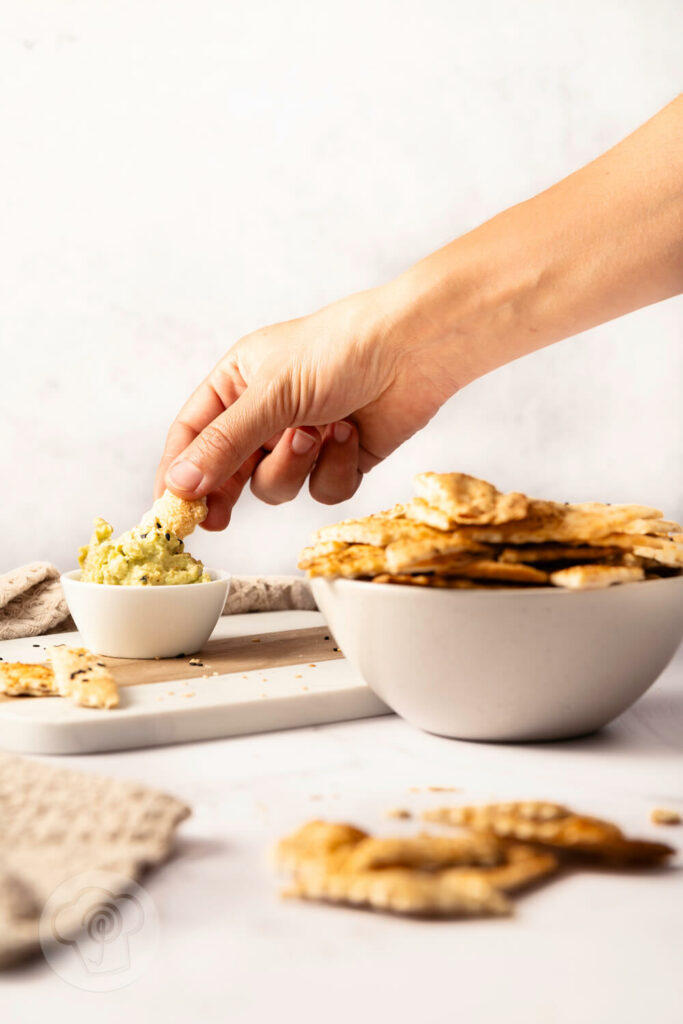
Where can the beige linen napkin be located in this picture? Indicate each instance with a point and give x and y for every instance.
(57, 828)
(32, 602)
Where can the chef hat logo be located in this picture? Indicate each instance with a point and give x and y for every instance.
(106, 923)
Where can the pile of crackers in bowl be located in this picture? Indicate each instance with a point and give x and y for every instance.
(462, 532)
(499, 850)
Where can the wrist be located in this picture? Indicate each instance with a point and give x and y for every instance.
(472, 305)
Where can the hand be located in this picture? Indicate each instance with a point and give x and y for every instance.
(326, 396)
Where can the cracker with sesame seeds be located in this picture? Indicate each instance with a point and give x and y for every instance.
(84, 677)
(32, 680)
(175, 514)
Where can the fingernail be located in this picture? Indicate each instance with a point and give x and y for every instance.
(302, 442)
(342, 432)
(185, 476)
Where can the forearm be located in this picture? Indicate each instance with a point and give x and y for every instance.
(604, 241)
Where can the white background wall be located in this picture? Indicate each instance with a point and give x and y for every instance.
(174, 174)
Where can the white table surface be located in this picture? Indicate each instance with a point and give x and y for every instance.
(592, 947)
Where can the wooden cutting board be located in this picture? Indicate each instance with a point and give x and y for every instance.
(231, 655)
(258, 672)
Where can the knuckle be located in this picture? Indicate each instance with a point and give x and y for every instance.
(214, 445)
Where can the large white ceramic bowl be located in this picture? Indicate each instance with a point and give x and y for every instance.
(145, 622)
(506, 664)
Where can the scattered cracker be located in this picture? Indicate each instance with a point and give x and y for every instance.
(662, 816)
(400, 891)
(555, 826)
(426, 852)
(398, 812)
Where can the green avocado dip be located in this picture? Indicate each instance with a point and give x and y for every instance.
(142, 557)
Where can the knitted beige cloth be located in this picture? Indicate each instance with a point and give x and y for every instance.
(32, 602)
(57, 827)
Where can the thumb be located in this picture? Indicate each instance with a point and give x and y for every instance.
(227, 442)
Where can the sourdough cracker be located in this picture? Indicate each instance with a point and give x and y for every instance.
(467, 500)
(523, 866)
(175, 514)
(425, 852)
(32, 680)
(533, 553)
(379, 531)
(461, 528)
(595, 577)
(351, 562)
(83, 677)
(551, 825)
(401, 891)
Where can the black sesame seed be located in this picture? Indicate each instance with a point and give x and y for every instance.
(143, 535)
(326, 638)
(158, 526)
(36, 645)
(167, 536)
(143, 579)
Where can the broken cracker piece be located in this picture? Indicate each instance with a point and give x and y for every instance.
(467, 500)
(401, 891)
(425, 852)
(84, 677)
(555, 826)
(18, 679)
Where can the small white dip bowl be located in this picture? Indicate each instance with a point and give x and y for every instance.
(507, 664)
(145, 622)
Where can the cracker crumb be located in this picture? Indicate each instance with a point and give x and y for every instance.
(664, 816)
(189, 693)
(398, 812)
(171, 693)
(304, 687)
(312, 666)
(256, 640)
(443, 789)
(298, 676)
(197, 662)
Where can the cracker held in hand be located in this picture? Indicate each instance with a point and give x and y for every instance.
(176, 514)
(460, 532)
(84, 677)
